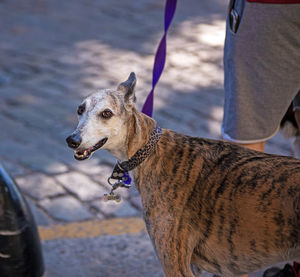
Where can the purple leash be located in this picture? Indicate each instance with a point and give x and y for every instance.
(160, 56)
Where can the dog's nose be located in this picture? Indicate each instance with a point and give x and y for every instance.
(73, 141)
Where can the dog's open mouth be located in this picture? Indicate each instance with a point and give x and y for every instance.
(84, 154)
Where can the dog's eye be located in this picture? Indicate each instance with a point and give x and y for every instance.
(106, 114)
(81, 109)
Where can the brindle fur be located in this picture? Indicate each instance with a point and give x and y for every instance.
(213, 204)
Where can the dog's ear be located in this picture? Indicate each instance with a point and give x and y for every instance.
(128, 88)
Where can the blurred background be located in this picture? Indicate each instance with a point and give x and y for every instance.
(54, 53)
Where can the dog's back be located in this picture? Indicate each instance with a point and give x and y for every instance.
(244, 205)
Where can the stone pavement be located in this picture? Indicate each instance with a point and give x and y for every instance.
(52, 54)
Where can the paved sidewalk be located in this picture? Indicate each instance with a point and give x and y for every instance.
(52, 54)
(113, 247)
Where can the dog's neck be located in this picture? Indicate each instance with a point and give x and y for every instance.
(137, 131)
(140, 128)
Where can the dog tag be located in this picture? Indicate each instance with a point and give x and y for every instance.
(112, 196)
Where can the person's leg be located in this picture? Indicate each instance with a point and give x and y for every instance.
(259, 146)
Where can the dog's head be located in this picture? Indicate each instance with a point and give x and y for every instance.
(102, 119)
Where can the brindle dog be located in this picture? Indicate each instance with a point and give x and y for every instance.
(206, 203)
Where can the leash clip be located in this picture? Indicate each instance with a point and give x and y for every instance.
(123, 181)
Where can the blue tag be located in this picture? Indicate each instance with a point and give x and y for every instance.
(126, 178)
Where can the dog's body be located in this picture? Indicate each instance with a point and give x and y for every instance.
(228, 210)
(213, 204)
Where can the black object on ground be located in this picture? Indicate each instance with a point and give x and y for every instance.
(20, 248)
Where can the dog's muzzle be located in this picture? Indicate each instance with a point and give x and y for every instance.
(82, 154)
(74, 140)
